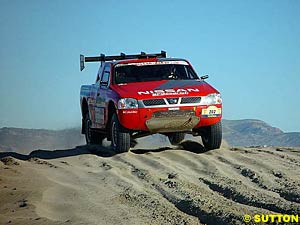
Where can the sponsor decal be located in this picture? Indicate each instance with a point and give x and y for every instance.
(130, 111)
(91, 101)
(153, 63)
(100, 102)
(99, 115)
(211, 111)
(174, 108)
(180, 91)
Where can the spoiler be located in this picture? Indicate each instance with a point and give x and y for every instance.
(103, 58)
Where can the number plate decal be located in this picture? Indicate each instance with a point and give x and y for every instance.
(211, 111)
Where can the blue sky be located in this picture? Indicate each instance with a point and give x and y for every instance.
(250, 49)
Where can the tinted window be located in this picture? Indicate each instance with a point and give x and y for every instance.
(135, 73)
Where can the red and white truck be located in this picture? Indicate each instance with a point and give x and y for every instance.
(139, 95)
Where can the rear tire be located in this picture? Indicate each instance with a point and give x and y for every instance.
(120, 137)
(176, 137)
(91, 137)
(212, 136)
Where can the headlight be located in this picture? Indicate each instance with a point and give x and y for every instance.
(211, 99)
(127, 103)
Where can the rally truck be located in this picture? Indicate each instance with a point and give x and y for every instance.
(138, 95)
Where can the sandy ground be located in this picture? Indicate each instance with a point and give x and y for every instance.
(92, 185)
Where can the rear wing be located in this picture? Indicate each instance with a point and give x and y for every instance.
(103, 58)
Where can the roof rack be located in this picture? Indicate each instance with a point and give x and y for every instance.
(103, 58)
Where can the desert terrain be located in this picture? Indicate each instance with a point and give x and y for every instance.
(154, 183)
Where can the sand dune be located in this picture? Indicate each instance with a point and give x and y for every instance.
(149, 185)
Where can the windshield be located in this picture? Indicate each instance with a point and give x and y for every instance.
(129, 73)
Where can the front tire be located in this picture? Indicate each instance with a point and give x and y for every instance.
(176, 137)
(120, 137)
(212, 136)
(91, 137)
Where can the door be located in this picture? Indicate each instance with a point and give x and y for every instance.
(101, 97)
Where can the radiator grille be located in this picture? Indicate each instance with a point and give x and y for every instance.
(156, 101)
(171, 101)
(189, 100)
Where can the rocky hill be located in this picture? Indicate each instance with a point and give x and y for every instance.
(251, 132)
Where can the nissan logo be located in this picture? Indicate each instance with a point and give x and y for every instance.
(172, 100)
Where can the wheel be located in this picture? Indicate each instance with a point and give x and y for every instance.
(176, 137)
(91, 137)
(212, 136)
(120, 137)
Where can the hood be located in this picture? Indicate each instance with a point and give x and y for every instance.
(164, 88)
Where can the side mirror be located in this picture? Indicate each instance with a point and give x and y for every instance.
(204, 77)
(103, 83)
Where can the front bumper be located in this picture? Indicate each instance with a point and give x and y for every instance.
(159, 120)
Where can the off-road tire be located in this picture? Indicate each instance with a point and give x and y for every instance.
(176, 137)
(91, 136)
(212, 136)
(120, 137)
